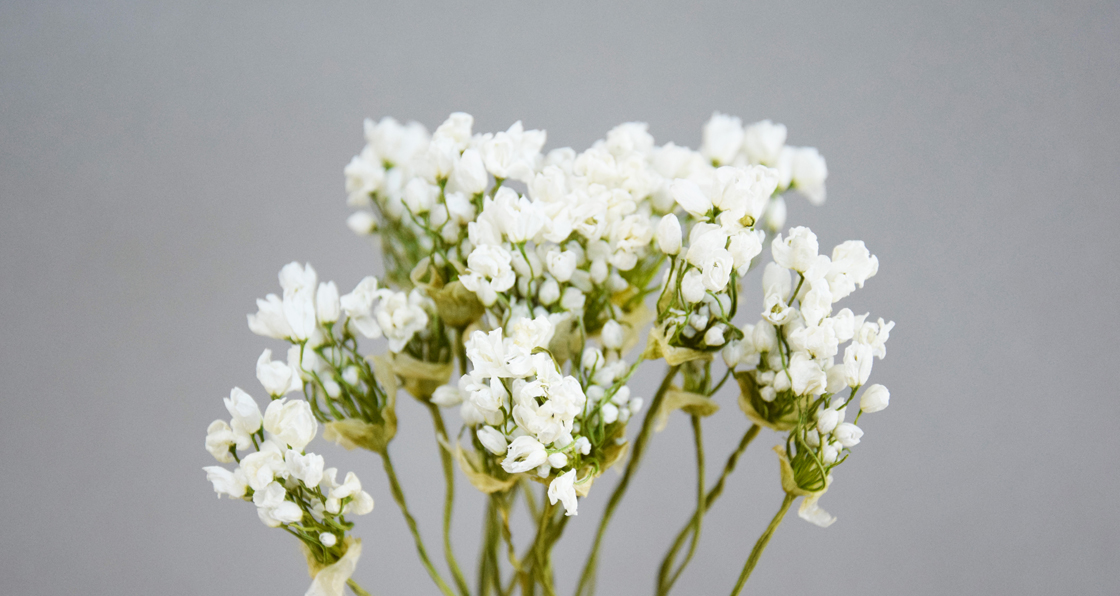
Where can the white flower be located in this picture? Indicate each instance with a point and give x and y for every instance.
(561, 264)
(519, 218)
(327, 539)
(812, 513)
(549, 292)
(763, 141)
(572, 299)
(493, 440)
(827, 419)
(326, 302)
(270, 320)
(809, 173)
(689, 196)
(847, 434)
(669, 234)
(806, 375)
(290, 422)
(299, 284)
(874, 399)
(350, 487)
(723, 137)
(734, 352)
(358, 306)
(744, 247)
(219, 438)
(360, 505)
(396, 143)
(611, 335)
(776, 281)
(776, 310)
(488, 272)
(306, 468)
(420, 195)
(776, 214)
(875, 335)
(717, 270)
(514, 153)
(692, 286)
(446, 396)
(817, 303)
(469, 176)
(399, 317)
(528, 334)
(225, 482)
(857, 363)
(362, 223)
(852, 264)
(457, 129)
(714, 336)
(277, 378)
(525, 453)
(562, 488)
(262, 467)
(364, 176)
(244, 411)
(798, 251)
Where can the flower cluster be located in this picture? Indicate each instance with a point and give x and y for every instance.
(790, 373)
(289, 486)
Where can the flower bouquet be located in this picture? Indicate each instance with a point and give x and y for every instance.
(524, 290)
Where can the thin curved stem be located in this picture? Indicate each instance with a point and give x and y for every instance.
(760, 546)
(586, 579)
(449, 499)
(709, 500)
(398, 496)
(664, 581)
(356, 588)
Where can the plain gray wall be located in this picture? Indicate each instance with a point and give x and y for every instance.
(158, 164)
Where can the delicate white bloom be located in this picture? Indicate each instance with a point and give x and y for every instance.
(562, 488)
(277, 378)
(549, 292)
(776, 214)
(364, 176)
(734, 352)
(811, 512)
(809, 173)
(299, 284)
(469, 176)
(361, 505)
(722, 138)
(493, 440)
(874, 399)
(244, 411)
(851, 265)
(705, 240)
(611, 335)
(350, 487)
(857, 363)
(358, 306)
(362, 223)
(558, 460)
(572, 299)
(847, 434)
(763, 142)
(776, 310)
(827, 419)
(399, 316)
(219, 438)
(525, 453)
(817, 303)
(394, 142)
(290, 422)
(692, 286)
(518, 217)
(583, 446)
(305, 468)
(262, 467)
(488, 272)
(513, 154)
(806, 375)
(717, 270)
(447, 396)
(456, 129)
(561, 264)
(744, 247)
(875, 336)
(714, 336)
(327, 539)
(798, 251)
(689, 196)
(225, 482)
(270, 320)
(327, 307)
(669, 234)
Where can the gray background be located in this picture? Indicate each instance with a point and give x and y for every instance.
(159, 164)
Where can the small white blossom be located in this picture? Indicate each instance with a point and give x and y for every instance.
(875, 398)
(290, 422)
(847, 434)
(562, 488)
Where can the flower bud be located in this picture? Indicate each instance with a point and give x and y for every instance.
(669, 235)
(827, 420)
(327, 539)
(874, 399)
(611, 336)
(848, 434)
(327, 302)
(362, 223)
(692, 286)
(492, 440)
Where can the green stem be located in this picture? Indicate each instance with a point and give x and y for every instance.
(664, 581)
(356, 588)
(709, 500)
(542, 573)
(449, 499)
(760, 546)
(398, 496)
(586, 579)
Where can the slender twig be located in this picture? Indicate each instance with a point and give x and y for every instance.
(713, 494)
(449, 499)
(398, 496)
(760, 546)
(664, 580)
(356, 588)
(586, 579)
